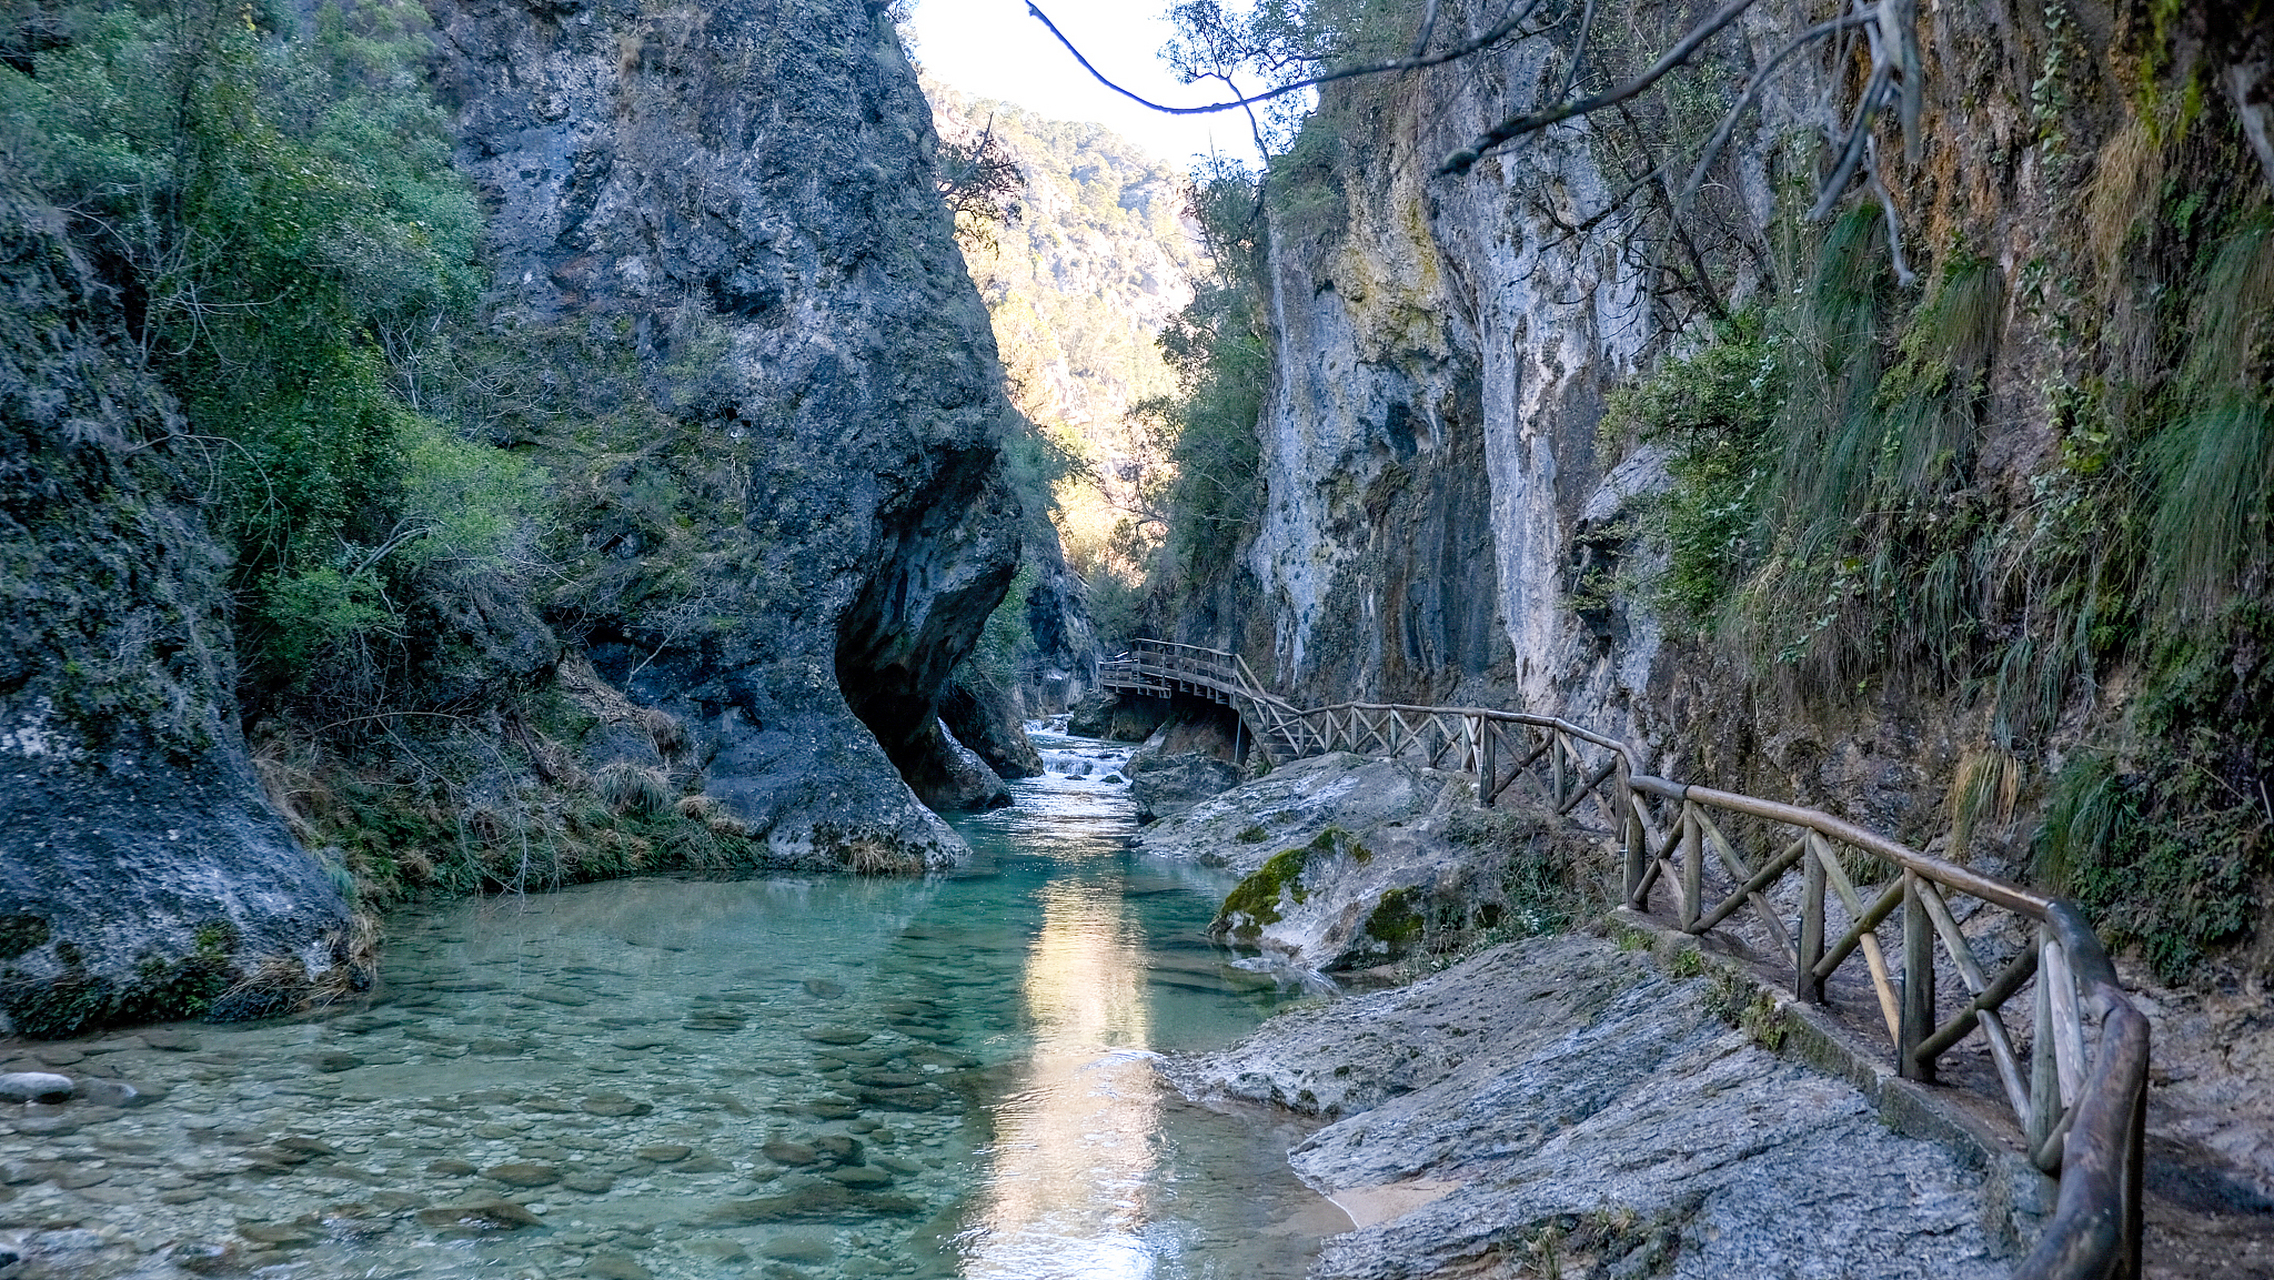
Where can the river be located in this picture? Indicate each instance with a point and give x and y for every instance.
(795, 1078)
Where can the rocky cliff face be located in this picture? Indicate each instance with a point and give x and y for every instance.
(728, 319)
(1444, 351)
(142, 872)
(1445, 520)
(744, 193)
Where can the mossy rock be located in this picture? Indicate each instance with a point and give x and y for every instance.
(1395, 923)
(1255, 902)
(20, 933)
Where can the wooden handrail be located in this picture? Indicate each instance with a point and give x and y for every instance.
(2082, 1109)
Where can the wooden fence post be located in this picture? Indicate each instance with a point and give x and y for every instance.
(2134, 1222)
(2044, 1063)
(1630, 830)
(1917, 1022)
(1806, 985)
(1693, 866)
(1486, 764)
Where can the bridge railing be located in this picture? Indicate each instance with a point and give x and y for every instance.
(1818, 891)
(1161, 668)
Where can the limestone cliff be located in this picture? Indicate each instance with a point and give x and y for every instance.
(730, 343)
(1449, 517)
(745, 191)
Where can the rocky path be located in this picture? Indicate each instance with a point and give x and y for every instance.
(1560, 1107)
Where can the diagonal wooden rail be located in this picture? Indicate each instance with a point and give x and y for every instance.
(2077, 1088)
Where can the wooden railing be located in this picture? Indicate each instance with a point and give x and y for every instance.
(1817, 891)
(1161, 669)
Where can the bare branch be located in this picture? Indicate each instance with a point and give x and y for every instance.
(1752, 94)
(1903, 274)
(1578, 50)
(1851, 153)
(1502, 31)
(1428, 28)
(1514, 127)
(1898, 26)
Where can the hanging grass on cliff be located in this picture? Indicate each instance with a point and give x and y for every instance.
(1831, 526)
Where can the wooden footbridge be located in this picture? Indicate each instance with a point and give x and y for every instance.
(1972, 957)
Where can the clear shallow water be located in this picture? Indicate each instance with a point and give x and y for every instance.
(795, 1078)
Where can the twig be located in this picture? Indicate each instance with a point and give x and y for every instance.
(1460, 162)
(1851, 154)
(1459, 51)
(1745, 101)
(1429, 28)
(1578, 50)
(385, 715)
(1903, 273)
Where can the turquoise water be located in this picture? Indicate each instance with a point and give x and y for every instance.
(794, 1078)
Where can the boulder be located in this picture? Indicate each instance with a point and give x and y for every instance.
(1166, 785)
(1351, 863)
(951, 777)
(1117, 718)
(36, 1086)
(988, 718)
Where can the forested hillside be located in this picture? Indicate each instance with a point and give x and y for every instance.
(1083, 263)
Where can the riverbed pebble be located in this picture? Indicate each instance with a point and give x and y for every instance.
(35, 1086)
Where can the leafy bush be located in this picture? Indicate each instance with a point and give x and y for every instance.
(280, 216)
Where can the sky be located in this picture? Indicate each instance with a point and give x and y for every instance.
(993, 49)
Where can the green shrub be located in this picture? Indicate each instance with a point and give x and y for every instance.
(282, 214)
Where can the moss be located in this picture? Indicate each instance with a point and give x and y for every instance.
(1254, 902)
(216, 938)
(21, 933)
(1395, 922)
(1253, 835)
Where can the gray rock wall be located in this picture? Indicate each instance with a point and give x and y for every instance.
(142, 872)
(744, 193)
(1446, 347)
(1443, 353)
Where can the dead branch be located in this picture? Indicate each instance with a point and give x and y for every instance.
(1460, 162)
(1500, 31)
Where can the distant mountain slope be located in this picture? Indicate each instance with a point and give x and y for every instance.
(1079, 286)
(1096, 263)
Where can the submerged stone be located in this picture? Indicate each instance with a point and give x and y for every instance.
(523, 1175)
(35, 1086)
(486, 1215)
(817, 1202)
